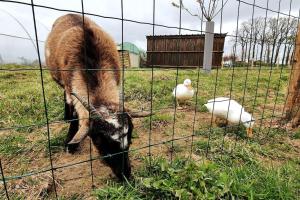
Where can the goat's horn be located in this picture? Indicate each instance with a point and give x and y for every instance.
(140, 114)
(80, 135)
(87, 105)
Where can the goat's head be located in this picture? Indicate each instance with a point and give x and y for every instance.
(111, 134)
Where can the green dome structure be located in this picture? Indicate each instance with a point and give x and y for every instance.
(128, 46)
(132, 55)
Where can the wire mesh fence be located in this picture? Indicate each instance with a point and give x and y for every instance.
(258, 80)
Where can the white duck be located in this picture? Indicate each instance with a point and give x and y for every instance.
(236, 113)
(184, 92)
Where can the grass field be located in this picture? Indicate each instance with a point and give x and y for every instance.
(223, 165)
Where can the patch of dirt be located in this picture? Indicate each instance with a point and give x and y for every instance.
(77, 179)
(296, 144)
(4, 133)
(34, 187)
(280, 157)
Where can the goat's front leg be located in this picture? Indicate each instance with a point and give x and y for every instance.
(74, 126)
(79, 126)
(72, 117)
(69, 108)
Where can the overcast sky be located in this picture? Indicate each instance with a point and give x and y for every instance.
(141, 10)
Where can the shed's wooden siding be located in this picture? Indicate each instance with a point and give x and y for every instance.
(182, 50)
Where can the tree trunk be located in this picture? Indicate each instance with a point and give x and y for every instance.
(264, 48)
(253, 50)
(249, 53)
(273, 51)
(287, 59)
(292, 56)
(245, 52)
(284, 55)
(243, 49)
(246, 49)
(268, 53)
(276, 60)
(293, 99)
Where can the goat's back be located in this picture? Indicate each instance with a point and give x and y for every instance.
(71, 47)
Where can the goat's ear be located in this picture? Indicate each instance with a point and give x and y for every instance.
(139, 114)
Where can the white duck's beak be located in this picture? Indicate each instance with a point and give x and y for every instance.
(190, 87)
(249, 132)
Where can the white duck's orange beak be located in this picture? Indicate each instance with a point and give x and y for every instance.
(249, 132)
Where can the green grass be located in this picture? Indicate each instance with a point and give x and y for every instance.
(297, 135)
(266, 167)
(270, 170)
(175, 148)
(158, 120)
(57, 142)
(207, 180)
(23, 103)
(164, 82)
(200, 146)
(12, 145)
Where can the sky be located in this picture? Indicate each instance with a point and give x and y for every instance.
(139, 10)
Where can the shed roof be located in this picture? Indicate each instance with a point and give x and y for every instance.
(128, 46)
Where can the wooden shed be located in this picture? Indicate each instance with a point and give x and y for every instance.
(182, 50)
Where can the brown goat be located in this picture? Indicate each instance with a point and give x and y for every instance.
(84, 61)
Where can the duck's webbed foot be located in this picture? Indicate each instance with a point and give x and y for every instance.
(178, 106)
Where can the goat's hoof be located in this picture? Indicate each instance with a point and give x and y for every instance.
(72, 148)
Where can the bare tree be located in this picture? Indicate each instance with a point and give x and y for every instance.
(209, 9)
(281, 36)
(275, 36)
(271, 36)
(249, 35)
(289, 41)
(256, 33)
(242, 39)
(275, 39)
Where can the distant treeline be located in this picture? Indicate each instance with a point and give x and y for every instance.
(22, 61)
(270, 40)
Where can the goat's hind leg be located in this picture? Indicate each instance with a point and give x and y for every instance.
(74, 126)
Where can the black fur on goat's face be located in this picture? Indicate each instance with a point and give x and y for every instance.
(111, 138)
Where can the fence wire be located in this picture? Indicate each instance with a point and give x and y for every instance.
(151, 95)
(246, 67)
(44, 100)
(176, 82)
